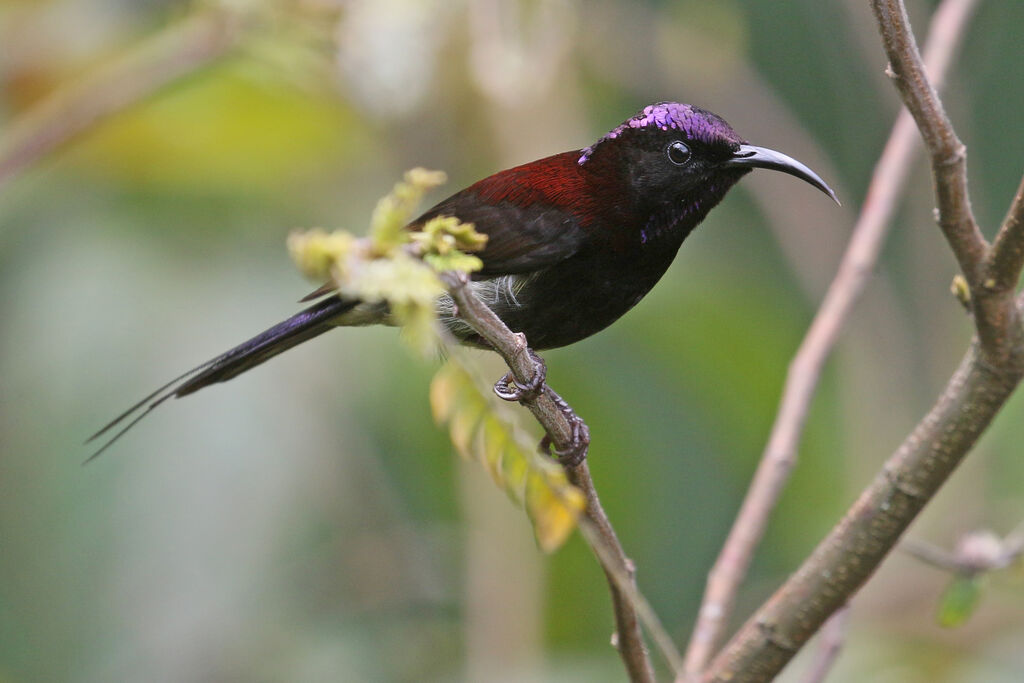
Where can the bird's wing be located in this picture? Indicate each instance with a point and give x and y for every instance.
(532, 215)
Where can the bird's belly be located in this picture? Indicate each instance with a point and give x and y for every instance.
(564, 304)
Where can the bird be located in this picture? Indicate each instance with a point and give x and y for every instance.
(574, 240)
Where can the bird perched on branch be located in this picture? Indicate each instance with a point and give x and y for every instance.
(574, 240)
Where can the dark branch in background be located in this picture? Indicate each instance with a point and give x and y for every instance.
(70, 111)
(985, 379)
(780, 454)
(552, 413)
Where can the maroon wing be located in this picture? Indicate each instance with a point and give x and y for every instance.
(534, 215)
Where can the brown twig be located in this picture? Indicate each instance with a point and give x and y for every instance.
(976, 553)
(987, 376)
(1008, 247)
(75, 108)
(948, 155)
(833, 637)
(855, 269)
(845, 559)
(991, 273)
(557, 424)
(995, 315)
(623, 577)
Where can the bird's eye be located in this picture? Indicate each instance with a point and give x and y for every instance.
(678, 153)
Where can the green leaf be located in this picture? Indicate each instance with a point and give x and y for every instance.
(394, 211)
(317, 252)
(515, 466)
(478, 431)
(456, 260)
(443, 241)
(959, 600)
(381, 269)
(494, 438)
(464, 424)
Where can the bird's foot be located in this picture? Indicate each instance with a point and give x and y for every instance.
(576, 452)
(509, 389)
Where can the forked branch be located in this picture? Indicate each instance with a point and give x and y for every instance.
(780, 454)
(987, 376)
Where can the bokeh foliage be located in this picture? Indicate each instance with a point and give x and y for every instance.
(309, 518)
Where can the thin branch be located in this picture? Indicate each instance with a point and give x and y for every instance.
(1008, 248)
(948, 155)
(833, 637)
(976, 553)
(932, 555)
(73, 109)
(624, 579)
(979, 388)
(555, 420)
(995, 315)
(852, 551)
(855, 269)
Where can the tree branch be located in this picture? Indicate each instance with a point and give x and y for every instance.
(976, 553)
(1008, 248)
(987, 376)
(559, 427)
(995, 315)
(780, 454)
(845, 559)
(986, 270)
(948, 155)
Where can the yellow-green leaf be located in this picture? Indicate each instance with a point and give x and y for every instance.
(443, 394)
(515, 466)
(317, 252)
(478, 430)
(398, 279)
(455, 260)
(394, 211)
(443, 240)
(494, 438)
(553, 506)
(463, 425)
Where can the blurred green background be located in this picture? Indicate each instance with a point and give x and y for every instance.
(307, 522)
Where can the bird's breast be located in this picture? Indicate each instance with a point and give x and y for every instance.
(567, 302)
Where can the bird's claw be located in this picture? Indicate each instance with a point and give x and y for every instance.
(509, 388)
(576, 452)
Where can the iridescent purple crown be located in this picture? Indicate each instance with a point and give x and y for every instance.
(696, 123)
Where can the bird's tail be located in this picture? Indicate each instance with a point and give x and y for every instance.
(301, 327)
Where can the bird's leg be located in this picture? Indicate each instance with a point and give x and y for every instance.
(509, 389)
(577, 449)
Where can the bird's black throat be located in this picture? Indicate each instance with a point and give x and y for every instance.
(595, 287)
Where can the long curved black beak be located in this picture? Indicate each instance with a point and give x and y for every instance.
(752, 156)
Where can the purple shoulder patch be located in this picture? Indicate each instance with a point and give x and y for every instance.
(696, 123)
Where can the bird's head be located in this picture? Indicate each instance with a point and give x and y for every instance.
(676, 154)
